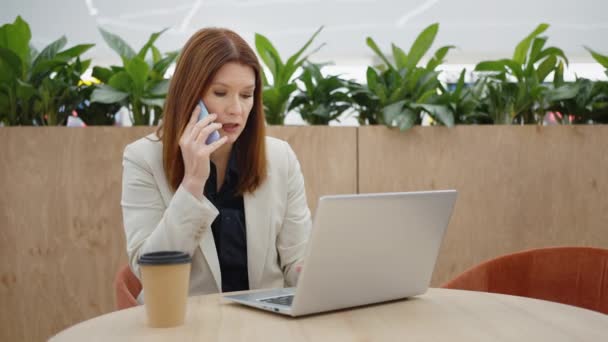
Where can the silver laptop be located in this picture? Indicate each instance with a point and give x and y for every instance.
(364, 249)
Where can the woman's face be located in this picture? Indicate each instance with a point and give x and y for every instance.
(230, 96)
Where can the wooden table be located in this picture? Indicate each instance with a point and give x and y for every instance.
(438, 315)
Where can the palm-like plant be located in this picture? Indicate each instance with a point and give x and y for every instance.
(581, 101)
(515, 92)
(403, 92)
(139, 83)
(38, 88)
(463, 100)
(277, 94)
(322, 99)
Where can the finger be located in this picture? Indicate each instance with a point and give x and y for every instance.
(217, 144)
(200, 125)
(206, 131)
(208, 119)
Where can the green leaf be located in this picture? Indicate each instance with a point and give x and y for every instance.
(153, 37)
(438, 57)
(106, 94)
(10, 65)
(290, 67)
(286, 90)
(407, 119)
(565, 92)
(426, 96)
(515, 68)
(422, 44)
(552, 51)
(438, 112)
(161, 88)
(545, 68)
(156, 55)
(16, 38)
(293, 60)
(558, 77)
(138, 70)
(269, 55)
(25, 91)
(372, 79)
(392, 111)
(75, 51)
(521, 51)
(118, 45)
(427, 82)
(397, 95)
(4, 105)
(264, 78)
(380, 92)
(602, 59)
(121, 81)
(51, 50)
(399, 56)
(491, 66)
(153, 102)
(537, 46)
(163, 64)
(45, 67)
(306, 78)
(460, 84)
(102, 74)
(372, 44)
(84, 66)
(297, 101)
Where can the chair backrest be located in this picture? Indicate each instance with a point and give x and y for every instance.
(570, 275)
(127, 287)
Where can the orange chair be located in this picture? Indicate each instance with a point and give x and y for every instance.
(127, 287)
(570, 275)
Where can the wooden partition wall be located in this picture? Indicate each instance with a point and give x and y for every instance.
(61, 235)
(519, 187)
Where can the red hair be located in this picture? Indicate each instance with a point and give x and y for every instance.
(202, 56)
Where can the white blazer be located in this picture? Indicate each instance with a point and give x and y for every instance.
(277, 218)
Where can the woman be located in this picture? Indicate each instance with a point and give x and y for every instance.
(237, 205)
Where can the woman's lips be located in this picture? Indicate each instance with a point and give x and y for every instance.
(230, 128)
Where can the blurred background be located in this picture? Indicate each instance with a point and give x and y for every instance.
(481, 29)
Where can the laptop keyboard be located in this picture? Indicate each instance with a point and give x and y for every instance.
(282, 300)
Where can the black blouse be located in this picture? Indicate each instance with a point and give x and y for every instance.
(229, 229)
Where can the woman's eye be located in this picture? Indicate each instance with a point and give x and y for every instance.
(219, 93)
(246, 96)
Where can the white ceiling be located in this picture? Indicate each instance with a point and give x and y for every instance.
(481, 29)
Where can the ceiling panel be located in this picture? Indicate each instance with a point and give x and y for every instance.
(481, 29)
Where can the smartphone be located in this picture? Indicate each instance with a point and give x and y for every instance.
(215, 135)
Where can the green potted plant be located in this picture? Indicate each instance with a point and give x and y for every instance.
(515, 90)
(139, 84)
(463, 100)
(38, 88)
(278, 91)
(401, 92)
(581, 101)
(322, 98)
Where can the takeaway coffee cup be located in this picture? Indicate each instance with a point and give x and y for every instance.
(165, 280)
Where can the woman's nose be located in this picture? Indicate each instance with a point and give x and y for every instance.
(235, 107)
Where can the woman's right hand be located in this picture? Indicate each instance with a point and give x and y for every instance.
(196, 153)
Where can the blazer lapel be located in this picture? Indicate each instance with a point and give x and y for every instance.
(207, 243)
(257, 218)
